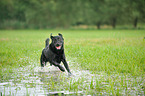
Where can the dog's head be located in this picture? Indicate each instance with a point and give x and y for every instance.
(57, 41)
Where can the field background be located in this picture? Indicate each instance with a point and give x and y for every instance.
(115, 60)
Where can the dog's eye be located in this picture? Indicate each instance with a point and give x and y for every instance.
(54, 40)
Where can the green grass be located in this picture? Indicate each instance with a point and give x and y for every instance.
(117, 54)
(109, 51)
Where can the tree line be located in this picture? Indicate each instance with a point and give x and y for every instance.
(65, 13)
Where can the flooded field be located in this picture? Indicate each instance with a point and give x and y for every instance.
(50, 81)
(33, 81)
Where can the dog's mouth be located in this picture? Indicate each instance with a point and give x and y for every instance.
(58, 47)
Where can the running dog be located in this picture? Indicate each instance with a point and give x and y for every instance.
(54, 53)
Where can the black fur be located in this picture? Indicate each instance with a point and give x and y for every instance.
(54, 53)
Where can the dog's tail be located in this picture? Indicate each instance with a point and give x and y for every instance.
(47, 42)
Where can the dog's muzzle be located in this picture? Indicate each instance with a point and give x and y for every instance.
(58, 46)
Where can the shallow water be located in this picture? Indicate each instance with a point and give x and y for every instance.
(32, 80)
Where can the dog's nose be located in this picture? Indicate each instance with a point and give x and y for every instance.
(57, 45)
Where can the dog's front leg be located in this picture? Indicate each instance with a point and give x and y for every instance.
(66, 65)
(54, 63)
(58, 65)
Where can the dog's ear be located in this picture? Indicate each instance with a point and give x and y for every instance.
(60, 35)
(51, 36)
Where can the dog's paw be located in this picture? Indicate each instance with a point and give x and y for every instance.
(70, 74)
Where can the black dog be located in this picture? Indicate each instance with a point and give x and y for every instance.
(54, 53)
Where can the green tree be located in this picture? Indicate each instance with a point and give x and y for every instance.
(114, 10)
(6, 10)
(66, 13)
(98, 12)
(136, 11)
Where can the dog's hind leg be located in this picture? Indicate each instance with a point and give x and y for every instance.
(47, 43)
(42, 61)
